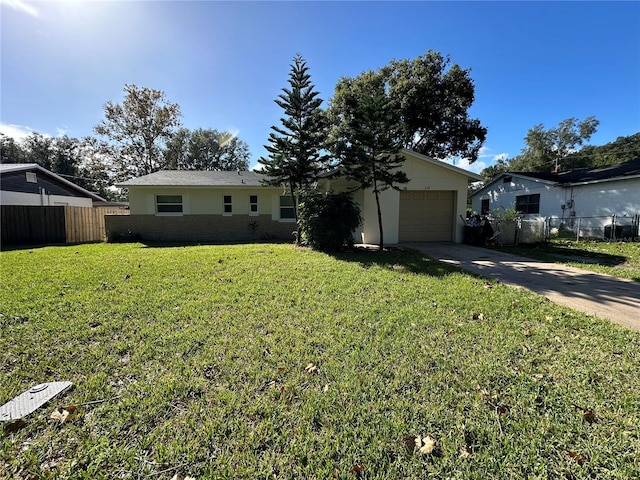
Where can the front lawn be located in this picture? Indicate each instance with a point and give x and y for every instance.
(621, 259)
(268, 361)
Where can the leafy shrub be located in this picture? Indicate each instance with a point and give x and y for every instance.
(327, 221)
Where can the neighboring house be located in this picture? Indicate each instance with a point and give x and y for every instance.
(30, 184)
(587, 192)
(183, 205)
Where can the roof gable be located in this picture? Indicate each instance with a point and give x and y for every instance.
(607, 173)
(438, 163)
(10, 168)
(593, 174)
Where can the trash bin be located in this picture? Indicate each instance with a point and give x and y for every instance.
(474, 235)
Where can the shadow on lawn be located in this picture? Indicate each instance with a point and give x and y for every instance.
(397, 259)
(568, 254)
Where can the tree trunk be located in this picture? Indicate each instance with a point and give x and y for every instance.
(295, 213)
(377, 194)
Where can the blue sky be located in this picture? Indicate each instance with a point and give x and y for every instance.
(225, 63)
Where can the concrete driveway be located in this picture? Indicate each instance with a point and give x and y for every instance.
(595, 294)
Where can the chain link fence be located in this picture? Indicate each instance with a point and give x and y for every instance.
(524, 230)
(613, 227)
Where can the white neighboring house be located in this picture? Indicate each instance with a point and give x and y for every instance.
(30, 184)
(587, 192)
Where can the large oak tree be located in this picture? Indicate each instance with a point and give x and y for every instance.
(138, 129)
(420, 104)
(206, 149)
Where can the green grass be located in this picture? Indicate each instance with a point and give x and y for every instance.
(621, 259)
(201, 352)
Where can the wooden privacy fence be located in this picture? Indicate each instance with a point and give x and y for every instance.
(25, 225)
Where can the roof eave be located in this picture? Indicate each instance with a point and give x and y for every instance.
(511, 174)
(44, 171)
(439, 163)
(602, 180)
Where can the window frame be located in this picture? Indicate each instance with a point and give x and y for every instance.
(227, 205)
(282, 208)
(529, 202)
(161, 205)
(253, 205)
(31, 177)
(485, 205)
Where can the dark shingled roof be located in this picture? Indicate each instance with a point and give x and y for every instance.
(619, 170)
(196, 178)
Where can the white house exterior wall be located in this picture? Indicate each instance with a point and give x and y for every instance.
(503, 196)
(621, 197)
(21, 198)
(618, 197)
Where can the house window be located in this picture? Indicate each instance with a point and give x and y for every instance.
(528, 203)
(286, 207)
(253, 204)
(484, 207)
(31, 177)
(228, 210)
(168, 203)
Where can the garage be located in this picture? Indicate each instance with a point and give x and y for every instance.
(426, 216)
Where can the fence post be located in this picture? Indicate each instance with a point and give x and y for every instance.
(578, 230)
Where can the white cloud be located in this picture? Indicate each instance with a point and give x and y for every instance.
(17, 132)
(21, 6)
(500, 156)
(484, 152)
(475, 167)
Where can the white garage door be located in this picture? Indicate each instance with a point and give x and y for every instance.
(426, 215)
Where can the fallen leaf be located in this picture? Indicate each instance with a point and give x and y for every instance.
(281, 369)
(357, 468)
(325, 389)
(425, 445)
(589, 415)
(311, 368)
(64, 414)
(335, 473)
(177, 476)
(575, 457)
(488, 285)
(501, 410)
(465, 451)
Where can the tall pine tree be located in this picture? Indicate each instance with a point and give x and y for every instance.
(296, 148)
